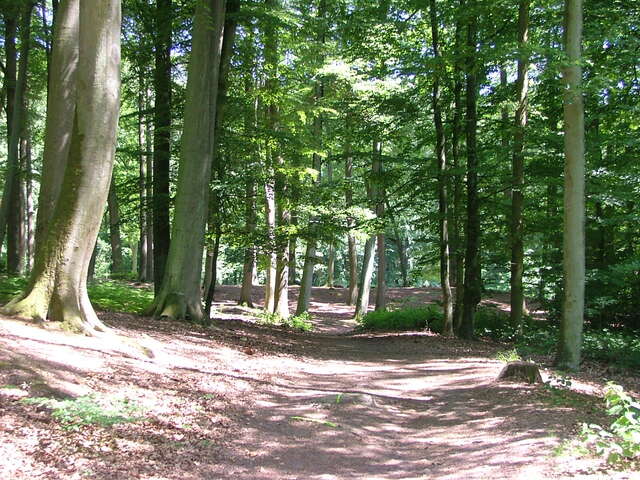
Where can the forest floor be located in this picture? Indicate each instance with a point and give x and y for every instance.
(246, 401)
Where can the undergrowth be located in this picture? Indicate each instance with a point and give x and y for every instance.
(411, 318)
(89, 410)
(612, 346)
(620, 443)
(300, 322)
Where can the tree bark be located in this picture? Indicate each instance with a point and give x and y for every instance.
(517, 194)
(114, 230)
(443, 206)
(250, 124)
(250, 251)
(377, 191)
(472, 280)
(161, 140)
(61, 107)
(16, 113)
(352, 296)
(366, 273)
(457, 237)
(574, 177)
(180, 296)
(58, 282)
(142, 183)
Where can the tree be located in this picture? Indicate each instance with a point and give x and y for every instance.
(472, 271)
(11, 207)
(180, 296)
(517, 195)
(573, 243)
(161, 140)
(85, 70)
(443, 206)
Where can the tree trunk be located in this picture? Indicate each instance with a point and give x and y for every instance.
(30, 209)
(142, 183)
(162, 140)
(10, 207)
(61, 106)
(517, 194)
(250, 251)
(443, 206)
(213, 280)
(457, 237)
(58, 281)
(377, 194)
(472, 280)
(574, 174)
(114, 230)
(149, 208)
(215, 221)
(271, 85)
(366, 273)
(250, 123)
(270, 217)
(352, 296)
(180, 296)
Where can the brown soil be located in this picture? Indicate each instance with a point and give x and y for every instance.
(245, 401)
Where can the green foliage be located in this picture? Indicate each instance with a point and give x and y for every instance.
(89, 410)
(403, 319)
(116, 296)
(300, 322)
(507, 356)
(620, 443)
(10, 287)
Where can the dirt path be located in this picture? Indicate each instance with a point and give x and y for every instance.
(245, 401)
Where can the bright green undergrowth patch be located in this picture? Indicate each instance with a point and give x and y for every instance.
(89, 410)
(411, 318)
(620, 443)
(115, 296)
(511, 355)
(10, 287)
(300, 322)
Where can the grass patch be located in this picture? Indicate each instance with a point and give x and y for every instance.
(508, 356)
(403, 319)
(115, 296)
(300, 322)
(89, 410)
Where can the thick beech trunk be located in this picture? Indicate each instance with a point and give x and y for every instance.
(574, 180)
(517, 168)
(57, 287)
(472, 279)
(162, 140)
(443, 206)
(180, 296)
